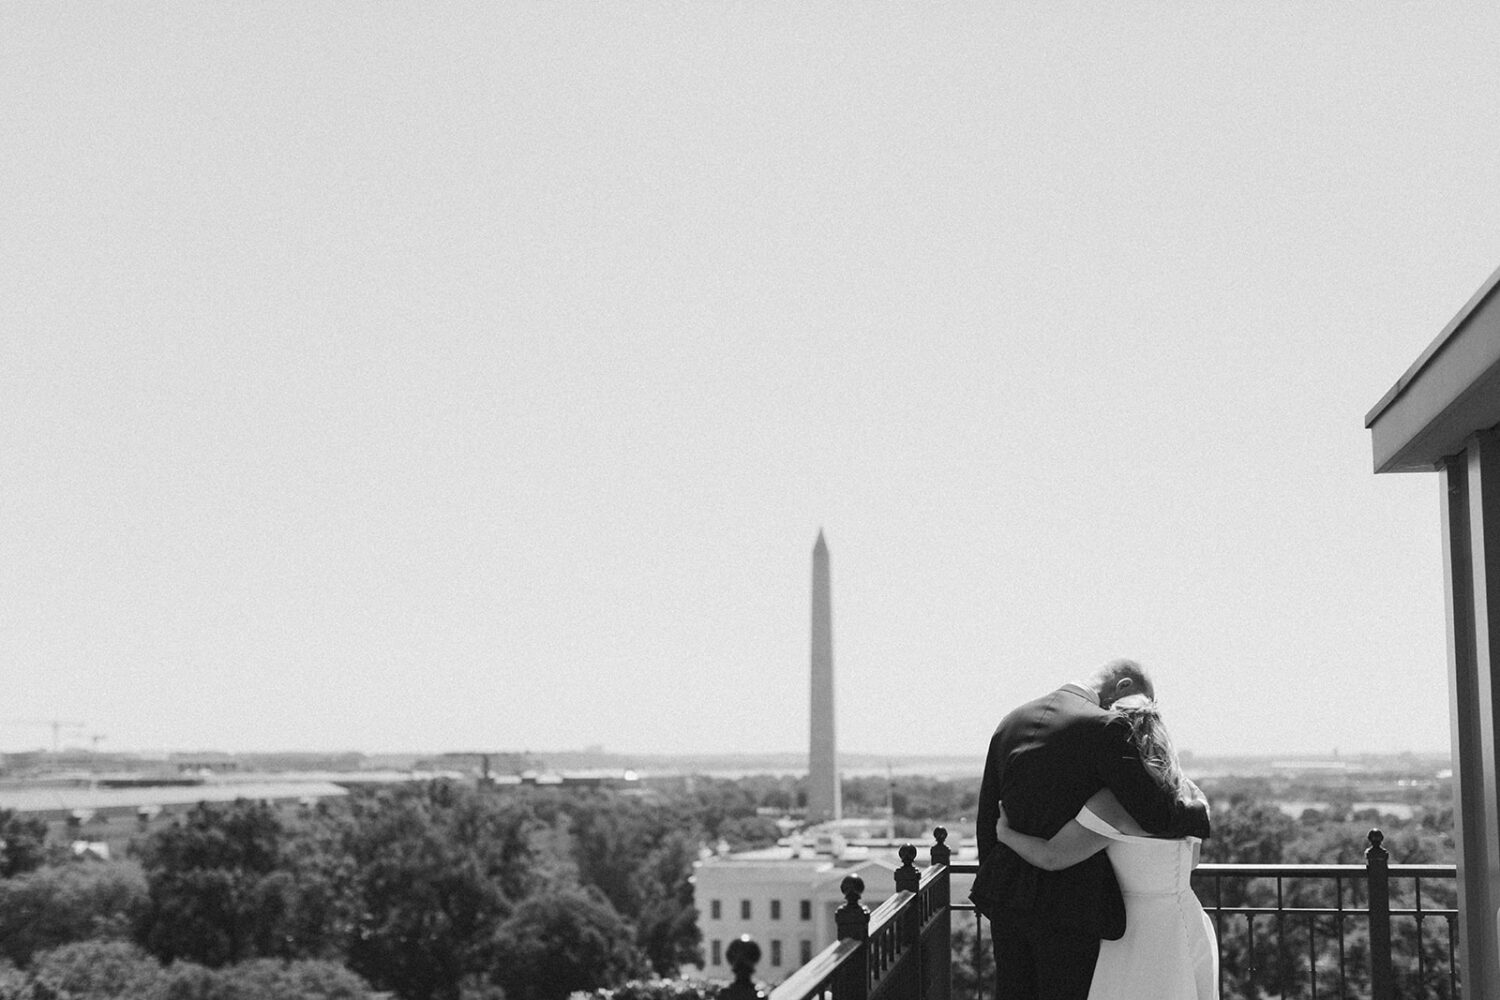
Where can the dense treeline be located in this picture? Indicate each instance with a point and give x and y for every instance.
(431, 892)
(445, 892)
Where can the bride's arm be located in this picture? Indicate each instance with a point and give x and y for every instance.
(1108, 808)
(1070, 845)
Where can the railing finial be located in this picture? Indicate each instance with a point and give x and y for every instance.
(907, 876)
(743, 954)
(940, 852)
(1377, 858)
(853, 918)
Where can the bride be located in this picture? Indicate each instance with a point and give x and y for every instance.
(1168, 951)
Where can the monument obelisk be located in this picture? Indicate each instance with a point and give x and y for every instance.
(823, 799)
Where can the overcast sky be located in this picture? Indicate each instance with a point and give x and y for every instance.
(437, 376)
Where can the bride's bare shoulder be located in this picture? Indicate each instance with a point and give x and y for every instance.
(1104, 805)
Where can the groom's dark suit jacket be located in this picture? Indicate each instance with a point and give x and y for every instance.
(1046, 759)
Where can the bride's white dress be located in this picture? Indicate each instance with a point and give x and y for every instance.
(1169, 951)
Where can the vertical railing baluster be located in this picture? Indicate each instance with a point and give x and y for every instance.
(939, 978)
(906, 935)
(1250, 954)
(979, 957)
(1377, 865)
(1338, 885)
(1312, 954)
(1281, 960)
(1219, 922)
(1421, 957)
(1452, 962)
(852, 980)
(1421, 944)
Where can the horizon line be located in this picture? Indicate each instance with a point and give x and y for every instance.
(1338, 754)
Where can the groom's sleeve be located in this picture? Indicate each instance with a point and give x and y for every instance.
(1157, 810)
(989, 802)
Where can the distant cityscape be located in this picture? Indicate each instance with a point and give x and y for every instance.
(1293, 780)
(23, 763)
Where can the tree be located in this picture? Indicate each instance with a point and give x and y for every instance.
(433, 865)
(225, 886)
(205, 876)
(714, 802)
(562, 941)
(117, 970)
(23, 843)
(264, 979)
(750, 832)
(322, 891)
(1249, 831)
(12, 982)
(53, 906)
(667, 925)
(656, 989)
(613, 836)
(96, 970)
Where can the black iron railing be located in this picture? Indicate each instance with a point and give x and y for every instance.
(900, 950)
(1301, 932)
(1371, 930)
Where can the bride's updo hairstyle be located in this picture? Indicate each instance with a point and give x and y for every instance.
(1149, 734)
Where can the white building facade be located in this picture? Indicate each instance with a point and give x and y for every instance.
(784, 898)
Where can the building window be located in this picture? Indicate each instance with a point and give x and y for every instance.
(715, 911)
(775, 909)
(806, 951)
(775, 952)
(716, 957)
(744, 909)
(807, 909)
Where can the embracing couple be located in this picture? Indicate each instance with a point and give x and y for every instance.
(1088, 833)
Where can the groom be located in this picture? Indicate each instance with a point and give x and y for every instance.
(1046, 759)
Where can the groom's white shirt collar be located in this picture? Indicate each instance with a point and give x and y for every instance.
(1082, 691)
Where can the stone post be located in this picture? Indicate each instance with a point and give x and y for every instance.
(852, 980)
(907, 876)
(743, 955)
(853, 918)
(940, 852)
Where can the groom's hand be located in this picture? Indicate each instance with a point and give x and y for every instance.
(1195, 794)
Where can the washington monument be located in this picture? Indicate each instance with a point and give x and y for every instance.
(823, 799)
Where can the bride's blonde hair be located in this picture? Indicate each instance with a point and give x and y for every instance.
(1150, 736)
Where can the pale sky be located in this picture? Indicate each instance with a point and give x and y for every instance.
(437, 376)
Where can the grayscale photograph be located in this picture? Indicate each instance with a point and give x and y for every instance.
(712, 501)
